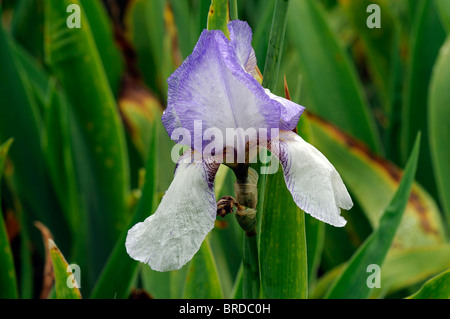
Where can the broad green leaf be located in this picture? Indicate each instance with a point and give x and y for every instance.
(108, 285)
(251, 286)
(156, 283)
(275, 45)
(283, 257)
(426, 40)
(38, 79)
(73, 58)
(315, 235)
(59, 150)
(233, 9)
(185, 26)
(380, 44)
(59, 155)
(202, 281)
(400, 270)
(62, 275)
(8, 281)
(435, 288)
(438, 115)
(282, 239)
(20, 119)
(139, 110)
(406, 268)
(261, 30)
(27, 26)
(443, 8)
(103, 33)
(149, 32)
(237, 288)
(226, 237)
(218, 16)
(326, 67)
(178, 281)
(373, 181)
(352, 282)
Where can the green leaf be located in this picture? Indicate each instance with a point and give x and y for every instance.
(422, 222)
(438, 114)
(107, 285)
(275, 45)
(184, 25)
(400, 270)
(155, 282)
(218, 16)
(103, 33)
(7, 271)
(326, 67)
(140, 110)
(237, 288)
(62, 273)
(283, 256)
(27, 26)
(426, 40)
(250, 277)
(38, 79)
(405, 268)
(202, 281)
(435, 288)
(260, 41)
(443, 8)
(380, 44)
(352, 282)
(20, 118)
(59, 148)
(73, 57)
(315, 235)
(233, 9)
(282, 239)
(146, 22)
(226, 237)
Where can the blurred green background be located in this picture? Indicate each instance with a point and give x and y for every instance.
(85, 155)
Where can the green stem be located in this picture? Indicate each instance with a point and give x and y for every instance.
(246, 196)
(275, 47)
(250, 276)
(233, 10)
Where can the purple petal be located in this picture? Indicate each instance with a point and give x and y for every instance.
(290, 112)
(241, 40)
(212, 87)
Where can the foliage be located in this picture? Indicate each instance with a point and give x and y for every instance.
(84, 153)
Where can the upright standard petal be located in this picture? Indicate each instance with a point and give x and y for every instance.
(212, 86)
(314, 183)
(170, 237)
(241, 40)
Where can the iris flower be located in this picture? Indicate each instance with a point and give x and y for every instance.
(216, 85)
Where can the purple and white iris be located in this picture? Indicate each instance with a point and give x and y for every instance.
(216, 85)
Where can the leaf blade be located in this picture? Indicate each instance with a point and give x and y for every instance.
(352, 282)
(7, 274)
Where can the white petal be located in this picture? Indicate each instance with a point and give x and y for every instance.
(314, 183)
(170, 237)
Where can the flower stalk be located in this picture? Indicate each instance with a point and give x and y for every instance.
(246, 193)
